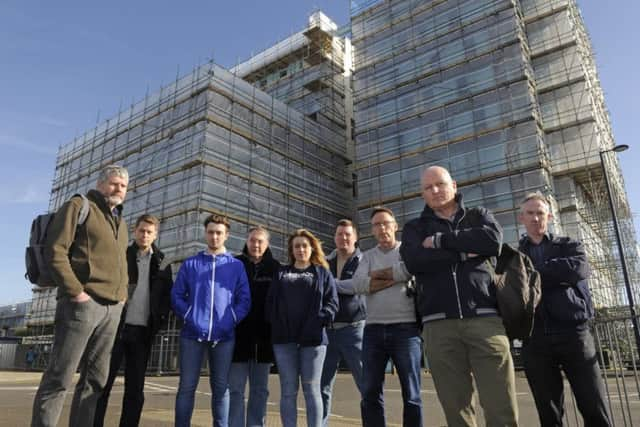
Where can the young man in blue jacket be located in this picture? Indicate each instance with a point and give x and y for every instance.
(561, 338)
(448, 250)
(211, 295)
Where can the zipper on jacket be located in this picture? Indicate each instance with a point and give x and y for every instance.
(213, 290)
(455, 283)
(454, 227)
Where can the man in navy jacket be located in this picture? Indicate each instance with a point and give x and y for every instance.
(345, 334)
(211, 295)
(448, 249)
(561, 336)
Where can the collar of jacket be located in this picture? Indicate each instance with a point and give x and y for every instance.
(205, 254)
(428, 213)
(334, 254)
(266, 257)
(157, 253)
(98, 198)
(525, 241)
(132, 266)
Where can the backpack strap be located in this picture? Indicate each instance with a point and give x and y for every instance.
(84, 209)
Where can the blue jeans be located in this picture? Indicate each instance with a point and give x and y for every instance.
(401, 343)
(258, 376)
(191, 354)
(345, 342)
(305, 363)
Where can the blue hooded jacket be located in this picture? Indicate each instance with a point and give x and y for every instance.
(211, 294)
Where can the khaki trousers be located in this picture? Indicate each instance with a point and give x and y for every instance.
(462, 350)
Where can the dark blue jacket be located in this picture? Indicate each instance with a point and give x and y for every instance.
(566, 303)
(452, 285)
(211, 295)
(352, 307)
(322, 309)
(253, 334)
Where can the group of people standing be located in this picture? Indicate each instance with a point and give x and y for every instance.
(433, 291)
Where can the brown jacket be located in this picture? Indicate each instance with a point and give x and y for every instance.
(96, 262)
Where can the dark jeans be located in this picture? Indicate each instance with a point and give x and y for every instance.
(133, 345)
(575, 354)
(402, 344)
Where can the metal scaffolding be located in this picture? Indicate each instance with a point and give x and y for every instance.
(212, 142)
(504, 94)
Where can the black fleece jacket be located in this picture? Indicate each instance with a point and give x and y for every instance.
(253, 333)
(160, 283)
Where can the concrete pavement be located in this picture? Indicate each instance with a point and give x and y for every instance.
(17, 390)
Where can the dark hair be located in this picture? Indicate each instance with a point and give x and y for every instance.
(150, 219)
(317, 254)
(347, 223)
(217, 219)
(378, 209)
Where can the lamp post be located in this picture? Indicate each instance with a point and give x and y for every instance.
(623, 261)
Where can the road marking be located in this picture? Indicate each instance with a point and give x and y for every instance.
(18, 388)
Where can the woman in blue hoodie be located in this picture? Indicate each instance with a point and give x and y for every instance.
(302, 301)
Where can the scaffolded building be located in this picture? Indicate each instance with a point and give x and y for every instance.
(320, 126)
(505, 95)
(212, 142)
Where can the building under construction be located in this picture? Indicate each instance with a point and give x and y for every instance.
(231, 143)
(503, 93)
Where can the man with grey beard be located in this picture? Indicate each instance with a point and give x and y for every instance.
(89, 266)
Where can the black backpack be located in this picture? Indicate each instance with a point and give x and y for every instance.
(37, 268)
(518, 291)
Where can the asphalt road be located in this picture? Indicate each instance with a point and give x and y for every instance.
(18, 388)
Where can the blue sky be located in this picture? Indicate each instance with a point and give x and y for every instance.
(64, 64)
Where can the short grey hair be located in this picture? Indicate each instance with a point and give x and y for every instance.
(259, 229)
(111, 170)
(536, 196)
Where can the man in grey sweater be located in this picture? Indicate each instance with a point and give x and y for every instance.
(391, 331)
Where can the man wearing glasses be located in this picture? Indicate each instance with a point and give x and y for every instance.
(391, 331)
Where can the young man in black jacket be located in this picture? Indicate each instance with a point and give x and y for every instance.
(561, 338)
(147, 309)
(253, 352)
(448, 250)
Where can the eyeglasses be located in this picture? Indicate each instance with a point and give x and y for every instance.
(385, 224)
